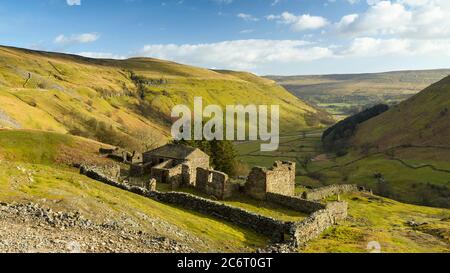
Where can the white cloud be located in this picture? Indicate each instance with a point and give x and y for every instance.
(268, 56)
(346, 21)
(415, 19)
(76, 39)
(247, 17)
(246, 31)
(238, 54)
(299, 22)
(275, 2)
(374, 47)
(101, 55)
(73, 2)
(369, 47)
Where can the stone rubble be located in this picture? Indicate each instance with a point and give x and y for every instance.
(29, 227)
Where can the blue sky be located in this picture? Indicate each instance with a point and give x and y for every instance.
(284, 37)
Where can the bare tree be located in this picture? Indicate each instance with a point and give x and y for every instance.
(147, 139)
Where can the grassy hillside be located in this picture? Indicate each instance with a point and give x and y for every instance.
(34, 168)
(343, 95)
(125, 102)
(422, 120)
(412, 174)
(403, 153)
(414, 137)
(396, 227)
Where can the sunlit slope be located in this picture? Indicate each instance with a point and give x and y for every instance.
(125, 102)
(408, 147)
(392, 226)
(421, 120)
(35, 167)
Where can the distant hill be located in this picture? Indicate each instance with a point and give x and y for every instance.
(125, 102)
(347, 94)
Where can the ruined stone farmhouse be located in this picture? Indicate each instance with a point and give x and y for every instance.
(279, 179)
(172, 164)
(182, 165)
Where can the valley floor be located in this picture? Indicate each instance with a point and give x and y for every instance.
(414, 174)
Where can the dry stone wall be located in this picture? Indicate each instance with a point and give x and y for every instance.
(316, 223)
(325, 192)
(322, 217)
(295, 203)
(273, 228)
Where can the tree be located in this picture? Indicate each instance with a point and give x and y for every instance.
(337, 137)
(221, 152)
(304, 162)
(147, 140)
(223, 156)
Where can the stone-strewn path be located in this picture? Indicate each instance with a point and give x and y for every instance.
(31, 228)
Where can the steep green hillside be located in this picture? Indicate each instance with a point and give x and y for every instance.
(34, 168)
(125, 102)
(346, 94)
(422, 120)
(403, 153)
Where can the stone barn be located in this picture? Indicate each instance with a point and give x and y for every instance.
(174, 163)
(279, 179)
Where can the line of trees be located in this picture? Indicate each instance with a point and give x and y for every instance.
(336, 138)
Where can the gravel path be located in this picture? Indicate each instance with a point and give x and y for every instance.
(28, 228)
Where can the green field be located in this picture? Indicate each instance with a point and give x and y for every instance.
(405, 169)
(293, 146)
